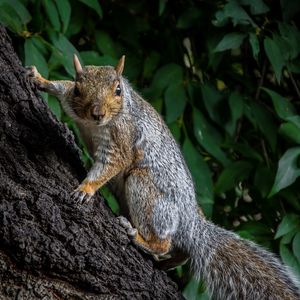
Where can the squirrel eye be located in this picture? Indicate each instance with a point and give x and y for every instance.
(118, 90)
(76, 91)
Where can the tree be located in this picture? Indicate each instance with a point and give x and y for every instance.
(51, 248)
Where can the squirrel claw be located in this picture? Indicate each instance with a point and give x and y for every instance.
(31, 71)
(131, 232)
(35, 77)
(162, 257)
(80, 197)
(33, 74)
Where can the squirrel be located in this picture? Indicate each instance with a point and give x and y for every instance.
(136, 154)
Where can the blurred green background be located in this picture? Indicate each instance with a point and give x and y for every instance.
(225, 76)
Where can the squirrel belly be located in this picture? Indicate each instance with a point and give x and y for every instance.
(135, 153)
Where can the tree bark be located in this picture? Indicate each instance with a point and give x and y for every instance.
(49, 247)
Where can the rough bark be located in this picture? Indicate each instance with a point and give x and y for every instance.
(49, 247)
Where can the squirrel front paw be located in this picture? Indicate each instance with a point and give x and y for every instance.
(81, 197)
(84, 192)
(36, 77)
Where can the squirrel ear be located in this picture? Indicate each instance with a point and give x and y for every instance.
(77, 65)
(120, 66)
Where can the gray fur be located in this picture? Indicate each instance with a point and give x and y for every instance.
(175, 212)
(232, 268)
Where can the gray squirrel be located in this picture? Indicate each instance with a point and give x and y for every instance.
(135, 153)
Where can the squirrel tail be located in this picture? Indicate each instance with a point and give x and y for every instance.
(234, 268)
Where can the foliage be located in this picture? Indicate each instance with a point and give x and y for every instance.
(224, 74)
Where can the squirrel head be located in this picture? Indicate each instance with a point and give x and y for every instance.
(98, 93)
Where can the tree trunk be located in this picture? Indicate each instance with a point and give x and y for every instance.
(51, 248)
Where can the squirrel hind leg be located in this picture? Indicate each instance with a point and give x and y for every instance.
(176, 257)
(150, 244)
(165, 219)
(153, 244)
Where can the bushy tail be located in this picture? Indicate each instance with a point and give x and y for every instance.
(234, 268)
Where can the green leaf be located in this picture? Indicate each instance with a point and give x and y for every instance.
(64, 9)
(289, 259)
(95, 5)
(254, 44)
(255, 231)
(33, 57)
(21, 10)
(294, 66)
(259, 116)
(236, 106)
(283, 107)
(275, 57)
(10, 18)
(288, 170)
(208, 137)
(263, 180)
(221, 19)
(257, 7)
(77, 21)
(292, 196)
(246, 151)
(195, 291)
(175, 100)
(291, 35)
(212, 98)
(201, 174)
(164, 76)
(287, 238)
(237, 14)
(45, 96)
(52, 13)
(111, 200)
(105, 43)
(162, 6)
(232, 175)
(266, 123)
(288, 224)
(133, 66)
(285, 48)
(65, 53)
(294, 120)
(93, 58)
(296, 246)
(150, 64)
(41, 44)
(290, 131)
(55, 106)
(175, 130)
(157, 104)
(190, 292)
(231, 40)
(16, 8)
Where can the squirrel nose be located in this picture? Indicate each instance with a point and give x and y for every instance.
(97, 114)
